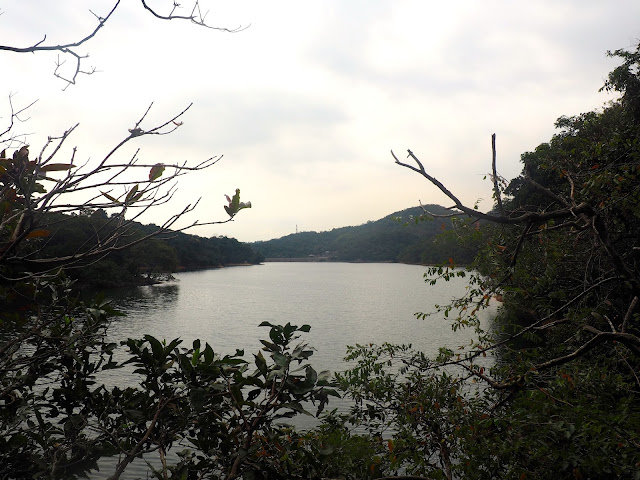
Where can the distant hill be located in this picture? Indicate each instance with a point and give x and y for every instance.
(394, 238)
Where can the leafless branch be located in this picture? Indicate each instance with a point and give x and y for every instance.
(70, 49)
(196, 17)
(557, 198)
(523, 218)
(131, 455)
(14, 115)
(627, 339)
(629, 314)
(496, 187)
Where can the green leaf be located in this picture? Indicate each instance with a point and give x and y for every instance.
(261, 363)
(324, 377)
(114, 200)
(280, 360)
(198, 398)
(156, 347)
(270, 346)
(56, 167)
(156, 172)
(275, 335)
(297, 407)
(195, 357)
(233, 361)
(208, 354)
(235, 205)
(134, 415)
(299, 386)
(253, 394)
(132, 193)
(236, 391)
(312, 376)
(174, 343)
(332, 392)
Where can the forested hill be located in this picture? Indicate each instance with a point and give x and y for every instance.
(145, 261)
(394, 238)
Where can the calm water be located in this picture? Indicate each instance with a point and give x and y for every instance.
(344, 303)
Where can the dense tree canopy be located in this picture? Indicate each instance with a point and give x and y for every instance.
(149, 261)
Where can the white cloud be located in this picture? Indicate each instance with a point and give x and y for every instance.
(307, 102)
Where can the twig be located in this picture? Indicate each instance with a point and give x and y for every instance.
(496, 188)
(629, 314)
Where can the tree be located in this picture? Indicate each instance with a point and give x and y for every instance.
(562, 397)
(33, 199)
(57, 417)
(575, 205)
(56, 421)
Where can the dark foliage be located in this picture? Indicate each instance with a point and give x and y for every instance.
(146, 262)
(560, 397)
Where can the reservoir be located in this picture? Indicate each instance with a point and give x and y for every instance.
(344, 303)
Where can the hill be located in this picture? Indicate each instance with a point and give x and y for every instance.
(145, 262)
(405, 236)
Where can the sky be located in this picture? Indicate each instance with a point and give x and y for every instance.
(306, 101)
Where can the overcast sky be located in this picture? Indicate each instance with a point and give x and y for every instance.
(306, 103)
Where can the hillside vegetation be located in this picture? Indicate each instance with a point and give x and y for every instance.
(406, 236)
(145, 262)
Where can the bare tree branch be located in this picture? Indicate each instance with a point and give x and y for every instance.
(70, 48)
(496, 187)
(500, 219)
(14, 115)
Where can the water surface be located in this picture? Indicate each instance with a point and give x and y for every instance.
(344, 303)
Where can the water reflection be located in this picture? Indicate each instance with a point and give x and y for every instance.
(143, 307)
(140, 299)
(345, 304)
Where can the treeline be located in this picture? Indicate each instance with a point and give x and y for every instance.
(145, 262)
(407, 236)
